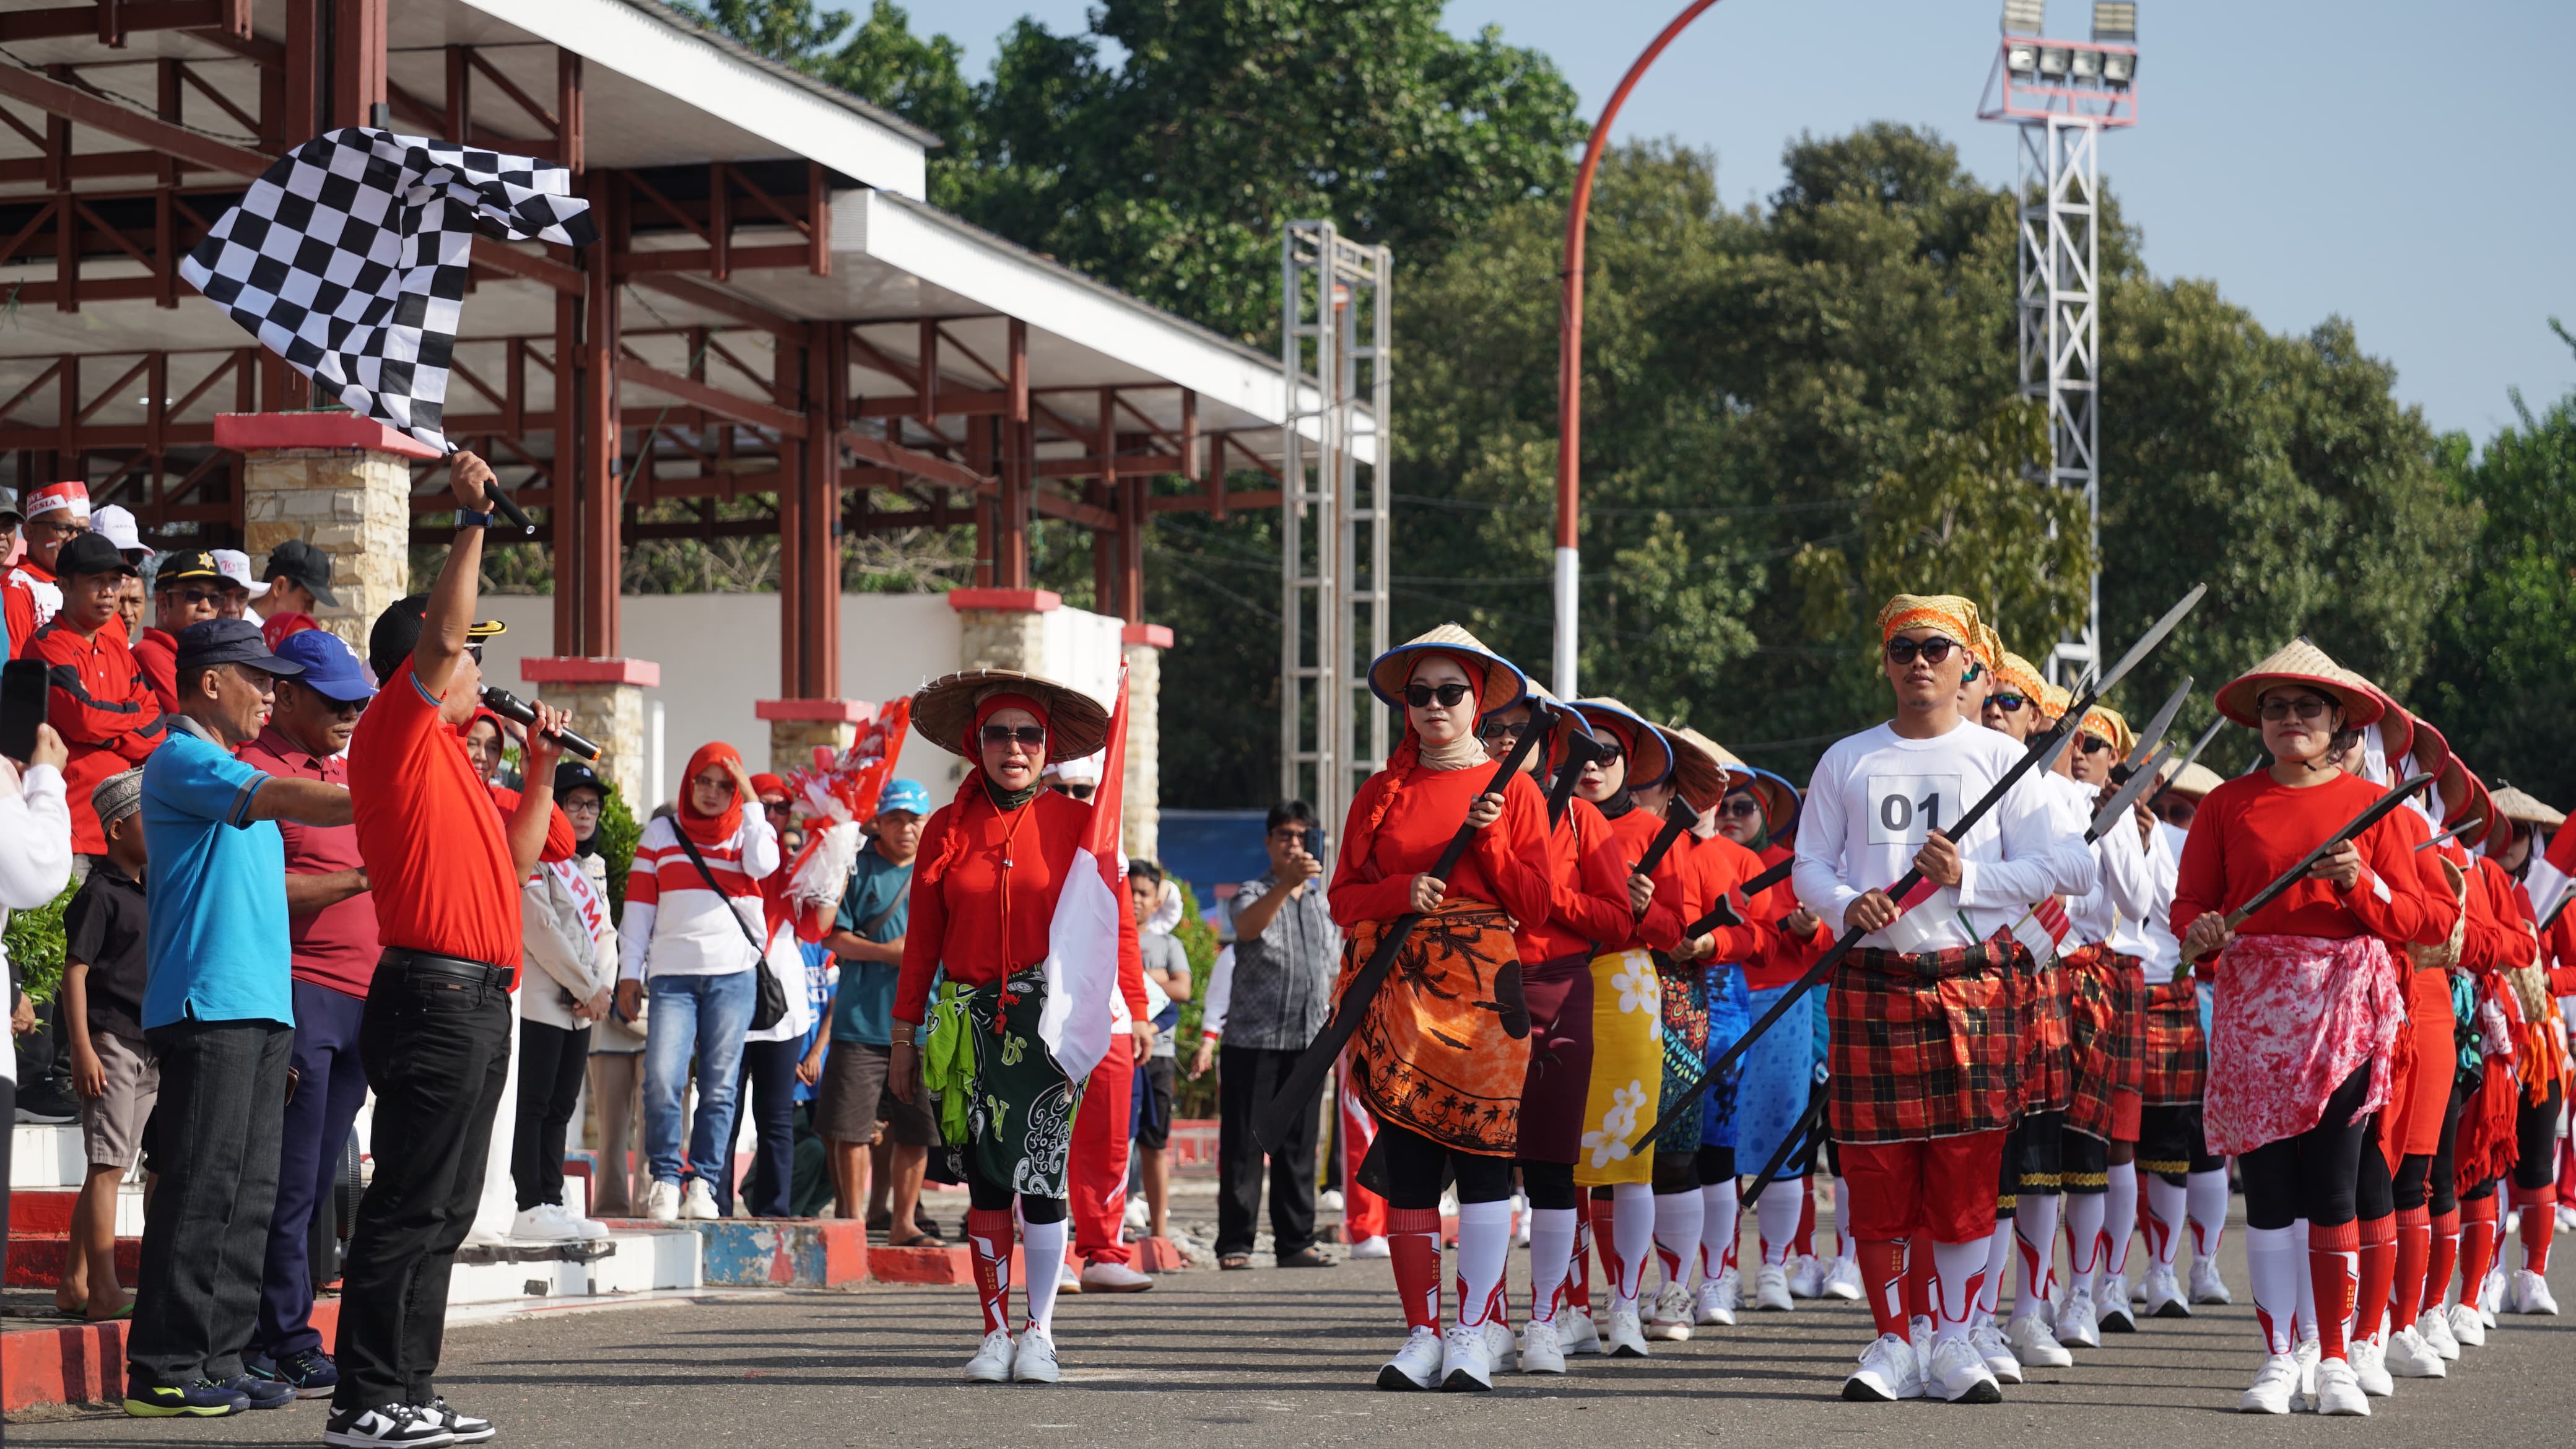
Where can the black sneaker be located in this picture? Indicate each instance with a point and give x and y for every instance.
(387, 1424)
(204, 1399)
(466, 1428)
(262, 1393)
(311, 1373)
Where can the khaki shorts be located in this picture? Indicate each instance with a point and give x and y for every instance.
(851, 1099)
(112, 1123)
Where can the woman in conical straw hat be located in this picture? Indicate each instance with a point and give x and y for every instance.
(2309, 1005)
(990, 867)
(1442, 1052)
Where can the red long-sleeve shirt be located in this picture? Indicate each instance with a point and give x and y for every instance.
(1591, 890)
(2509, 920)
(1712, 868)
(984, 893)
(158, 652)
(102, 708)
(1660, 928)
(2252, 828)
(1782, 957)
(2558, 948)
(1506, 863)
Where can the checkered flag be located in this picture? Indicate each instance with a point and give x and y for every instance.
(348, 258)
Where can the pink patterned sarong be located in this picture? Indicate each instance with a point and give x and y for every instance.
(2295, 1016)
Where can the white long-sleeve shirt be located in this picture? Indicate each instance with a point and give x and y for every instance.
(2164, 865)
(2113, 913)
(1876, 796)
(674, 925)
(35, 854)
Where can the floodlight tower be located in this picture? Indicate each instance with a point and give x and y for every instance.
(2063, 94)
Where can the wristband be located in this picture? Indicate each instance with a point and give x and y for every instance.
(468, 518)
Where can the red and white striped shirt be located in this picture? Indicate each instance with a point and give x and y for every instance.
(674, 925)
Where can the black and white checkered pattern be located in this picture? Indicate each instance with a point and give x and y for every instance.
(348, 258)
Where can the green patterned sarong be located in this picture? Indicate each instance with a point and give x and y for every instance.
(1005, 1107)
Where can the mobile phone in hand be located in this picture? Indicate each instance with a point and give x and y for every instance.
(23, 692)
(1315, 844)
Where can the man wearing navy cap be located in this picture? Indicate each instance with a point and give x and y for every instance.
(219, 1012)
(331, 921)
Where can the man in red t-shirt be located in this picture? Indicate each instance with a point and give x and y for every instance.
(99, 703)
(445, 870)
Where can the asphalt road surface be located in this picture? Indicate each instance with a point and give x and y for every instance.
(1276, 1357)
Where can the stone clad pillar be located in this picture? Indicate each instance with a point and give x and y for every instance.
(797, 726)
(1003, 628)
(341, 483)
(605, 698)
(1141, 802)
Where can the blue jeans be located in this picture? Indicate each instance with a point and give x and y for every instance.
(701, 1017)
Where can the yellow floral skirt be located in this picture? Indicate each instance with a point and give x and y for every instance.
(1627, 1070)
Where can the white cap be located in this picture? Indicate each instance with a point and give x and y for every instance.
(1082, 771)
(117, 526)
(235, 566)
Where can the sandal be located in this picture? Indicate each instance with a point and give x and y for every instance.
(1310, 1256)
(1232, 1261)
(919, 1240)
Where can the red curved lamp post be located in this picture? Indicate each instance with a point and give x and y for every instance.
(1569, 360)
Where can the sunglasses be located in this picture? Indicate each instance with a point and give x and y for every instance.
(2091, 744)
(1420, 696)
(1741, 805)
(2009, 703)
(1078, 792)
(996, 736)
(1495, 729)
(52, 529)
(1610, 754)
(2277, 710)
(194, 597)
(1933, 650)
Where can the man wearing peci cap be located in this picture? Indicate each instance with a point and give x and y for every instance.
(99, 702)
(189, 589)
(29, 594)
(332, 924)
(219, 1012)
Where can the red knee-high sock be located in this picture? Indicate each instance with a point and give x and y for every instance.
(2536, 1217)
(2333, 1263)
(1918, 1277)
(2378, 1270)
(1413, 1249)
(1578, 1270)
(1805, 1241)
(2414, 1254)
(1882, 1273)
(2477, 1244)
(2443, 1257)
(988, 1243)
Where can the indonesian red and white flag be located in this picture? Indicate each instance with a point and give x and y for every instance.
(1081, 966)
(2044, 929)
(2551, 872)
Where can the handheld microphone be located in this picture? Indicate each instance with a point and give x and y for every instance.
(501, 503)
(509, 706)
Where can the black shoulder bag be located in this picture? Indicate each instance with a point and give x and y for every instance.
(772, 1007)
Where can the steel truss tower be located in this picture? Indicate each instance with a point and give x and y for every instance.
(1336, 324)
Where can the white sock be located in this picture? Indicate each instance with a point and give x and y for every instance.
(1842, 1222)
(1957, 1273)
(2035, 1231)
(2272, 1255)
(1632, 1235)
(1721, 1219)
(2083, 1238)
(1551, 1254)
(2307, 1305)
(2208, 1192)
(2167, 1213)
(1999, 1256)
(2120, 1215)
(1484, 1248)
(1678, 1219)
(1042, 1258)
(1776, 1210)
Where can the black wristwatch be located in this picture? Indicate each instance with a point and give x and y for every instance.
(468, 518)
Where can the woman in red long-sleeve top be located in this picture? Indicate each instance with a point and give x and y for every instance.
(2540, 1068)
(2308, 1003)
(991, 866)
(1442, 1048)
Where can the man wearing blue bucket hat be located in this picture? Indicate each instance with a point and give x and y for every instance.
(867, 937)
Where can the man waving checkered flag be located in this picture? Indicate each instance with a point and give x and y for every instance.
(348, 258)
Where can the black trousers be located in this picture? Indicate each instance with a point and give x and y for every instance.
(205, 1239)
(767, 1090)
(551, 1063)
(2317, 1174)
(437, 1050)
(1247, 1078)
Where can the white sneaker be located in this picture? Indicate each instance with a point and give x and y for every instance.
(1068, 1279)
(1886, 1373)
(2163, 1296)
(1139, 1216)
(1036, 1361)
(1416, 1365)
(1959, 1373)
(2567, 1216)
(1842, 1280)
(1577, 1332)
(2111, 1311)
(2409, 1356)
(2468, 1329)
(1771, 1289)
(2076, 1322)
(2530, 1294)
(1542, 1348)
(2206, 1285)
(1625, 1337)
(1919, 1334)
(1114, 1277)
(2275, 1384)
(1989, 1342)
(2309, 1353)
(662, 1202)
(2369, 1360)
(2435, 1326)
(2491, 1294)
(2339, 1392)
(1466, 1360)
(544, 1223)
(1372, 1247)
(1718, 1297)
(1331, 1201)
(1806, 1276)
(1671, 1320)
(992, 1361)
(1501, 1346)
(698, 1202)
(2033, 1344)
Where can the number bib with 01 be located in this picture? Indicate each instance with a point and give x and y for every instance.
(1905, 809)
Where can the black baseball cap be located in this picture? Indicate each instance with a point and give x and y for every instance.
(302, 562)
(178, 568)
(90, 553)
(573, 775)
(228, 641)
(397, 633)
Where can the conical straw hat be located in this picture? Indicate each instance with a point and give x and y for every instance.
(2299, 662)
(2514, 805)
(1504, 682)
(1699, 775)
(944, 710)
(1650, 756)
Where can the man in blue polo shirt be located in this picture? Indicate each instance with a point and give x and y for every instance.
(218, 1009)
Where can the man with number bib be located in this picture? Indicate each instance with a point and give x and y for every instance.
(1926, 1038)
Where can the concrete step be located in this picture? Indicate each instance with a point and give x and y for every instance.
(37, 1260)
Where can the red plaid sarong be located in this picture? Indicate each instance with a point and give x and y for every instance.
(2106, 1043)
(2177, 1050)
(1926, 1046)
(2046, 1085)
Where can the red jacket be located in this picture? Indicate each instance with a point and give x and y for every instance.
(104, 711)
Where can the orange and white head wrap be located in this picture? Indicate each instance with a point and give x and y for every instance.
(1952, 615)
(2054, 701)
(2018, 674)
(2105, 724)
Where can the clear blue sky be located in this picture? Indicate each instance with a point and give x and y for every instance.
(2405, 166)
